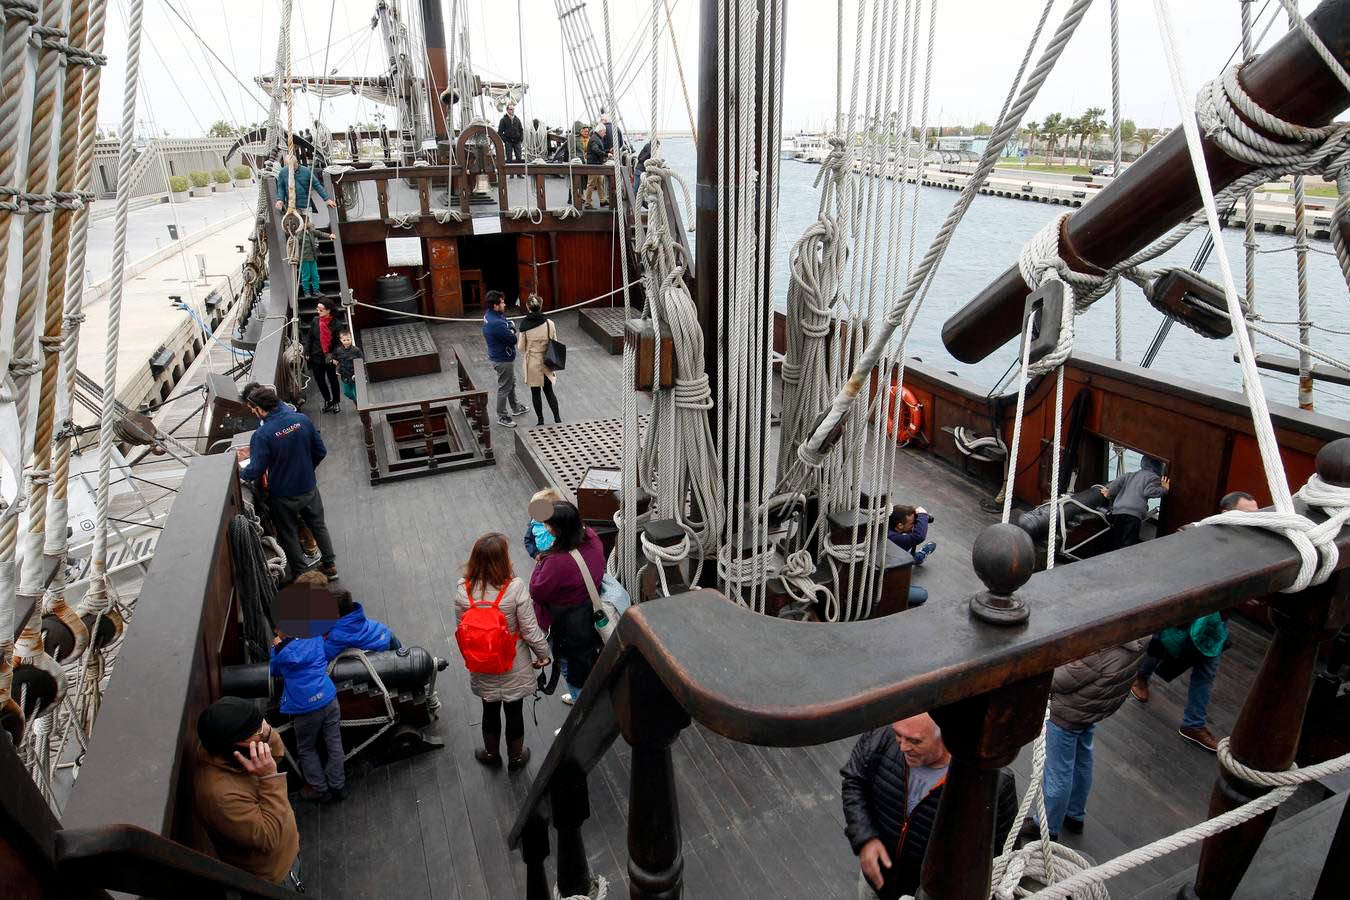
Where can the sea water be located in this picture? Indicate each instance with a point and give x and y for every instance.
(988, 241)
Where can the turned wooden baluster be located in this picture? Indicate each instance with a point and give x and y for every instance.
(427, 435)
(369, 431)
(983, 734)
(571, 804)
(650, 721)
(534, 850)
(1267, 730)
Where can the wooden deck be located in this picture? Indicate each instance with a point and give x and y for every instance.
(757, 822)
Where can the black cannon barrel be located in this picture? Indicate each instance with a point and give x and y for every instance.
(400, 670)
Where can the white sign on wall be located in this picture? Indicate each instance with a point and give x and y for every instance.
(487, 224)
(403, 251)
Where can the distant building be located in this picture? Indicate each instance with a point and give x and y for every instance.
(975, 144)
(156, 160)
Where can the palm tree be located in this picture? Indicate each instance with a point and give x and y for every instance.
(1051, 129)
(1145, 136)
(1032, 130)
(1089, 125)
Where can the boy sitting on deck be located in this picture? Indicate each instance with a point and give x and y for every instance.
(354, 630)
(343, 356)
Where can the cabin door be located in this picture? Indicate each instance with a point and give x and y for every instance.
(534, 262)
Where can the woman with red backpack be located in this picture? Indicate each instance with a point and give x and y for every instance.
(497, 633)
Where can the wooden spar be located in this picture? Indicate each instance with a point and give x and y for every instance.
(1158, 191)
(433, 30)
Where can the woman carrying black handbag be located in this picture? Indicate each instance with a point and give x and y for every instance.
(536, 333)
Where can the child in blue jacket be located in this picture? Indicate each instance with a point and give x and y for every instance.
(353, 629)
(309, 697)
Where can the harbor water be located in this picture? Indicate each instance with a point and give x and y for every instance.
(989, 240)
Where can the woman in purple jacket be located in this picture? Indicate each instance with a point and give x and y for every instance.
(562, 602)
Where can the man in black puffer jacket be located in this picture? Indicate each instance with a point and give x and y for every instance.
(892, 786)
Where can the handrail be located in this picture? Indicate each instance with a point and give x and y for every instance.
(131, 859)
(875, 672)
(441, 173)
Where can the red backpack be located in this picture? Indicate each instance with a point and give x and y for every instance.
(486, 643)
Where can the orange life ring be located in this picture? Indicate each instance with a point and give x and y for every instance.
(906, 416)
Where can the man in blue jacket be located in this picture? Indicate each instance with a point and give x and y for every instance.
(500, 335)
(304, 182)
(287, 448)
(353, 629)
(309, 697)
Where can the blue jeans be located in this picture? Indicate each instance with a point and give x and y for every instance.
(1068, 774)
(918, 596)
(1203, 674)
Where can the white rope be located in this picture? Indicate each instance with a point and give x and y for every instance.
(599, 890)
(933, 257)
(1285, 784)
(97, 595)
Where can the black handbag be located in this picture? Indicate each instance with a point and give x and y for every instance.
(555, 353)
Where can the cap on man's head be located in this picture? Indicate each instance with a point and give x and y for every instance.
(227, 722)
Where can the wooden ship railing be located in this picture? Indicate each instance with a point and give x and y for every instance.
(696, 657)
(472, 402)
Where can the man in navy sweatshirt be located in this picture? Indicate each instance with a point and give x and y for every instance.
(353, 629)
(500, 335)
(287, 448)
(309, 697)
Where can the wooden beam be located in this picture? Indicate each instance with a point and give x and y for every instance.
(1158, 191)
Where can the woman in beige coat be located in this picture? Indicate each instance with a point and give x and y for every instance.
(536, 330)
(488, 569)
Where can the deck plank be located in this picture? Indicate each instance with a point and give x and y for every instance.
(756, 821)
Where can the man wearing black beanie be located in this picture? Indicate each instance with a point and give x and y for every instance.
(240, 796)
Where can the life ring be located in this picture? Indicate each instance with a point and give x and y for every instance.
(906, 416)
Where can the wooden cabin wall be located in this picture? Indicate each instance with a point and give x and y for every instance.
(1205, 435)
(579, 274)
(139, 769)
(366, 263)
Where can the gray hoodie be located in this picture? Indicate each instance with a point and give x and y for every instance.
(1130, 493)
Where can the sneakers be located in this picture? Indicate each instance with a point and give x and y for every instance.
(924, 552)
(506, 422)
(1072, 825)
(567, 698)
(1139, 690)
(1201, 737)
(519, 410)
(330, 570)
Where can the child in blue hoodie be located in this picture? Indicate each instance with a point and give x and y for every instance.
(309, 697)
(353, 629)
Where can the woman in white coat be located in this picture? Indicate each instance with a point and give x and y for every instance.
(488, 574)
(536, 330)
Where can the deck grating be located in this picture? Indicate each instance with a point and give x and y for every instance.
(389, 342)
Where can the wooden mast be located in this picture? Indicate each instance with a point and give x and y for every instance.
(706, 180)
(1158, 192)
(433, 30)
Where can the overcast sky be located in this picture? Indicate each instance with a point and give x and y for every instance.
(979, 44)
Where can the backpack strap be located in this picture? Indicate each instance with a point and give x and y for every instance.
(496, 604)
(586, 577)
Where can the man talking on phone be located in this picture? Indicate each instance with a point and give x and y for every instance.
(241, 796)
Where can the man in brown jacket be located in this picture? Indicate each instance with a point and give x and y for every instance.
(240, 796)
(1083, 693)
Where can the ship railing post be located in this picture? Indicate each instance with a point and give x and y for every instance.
(428, 436)
(983, 734)
(368, 430)
(650, 720)
(534, 850)
(571, 804)
(1267, 732)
